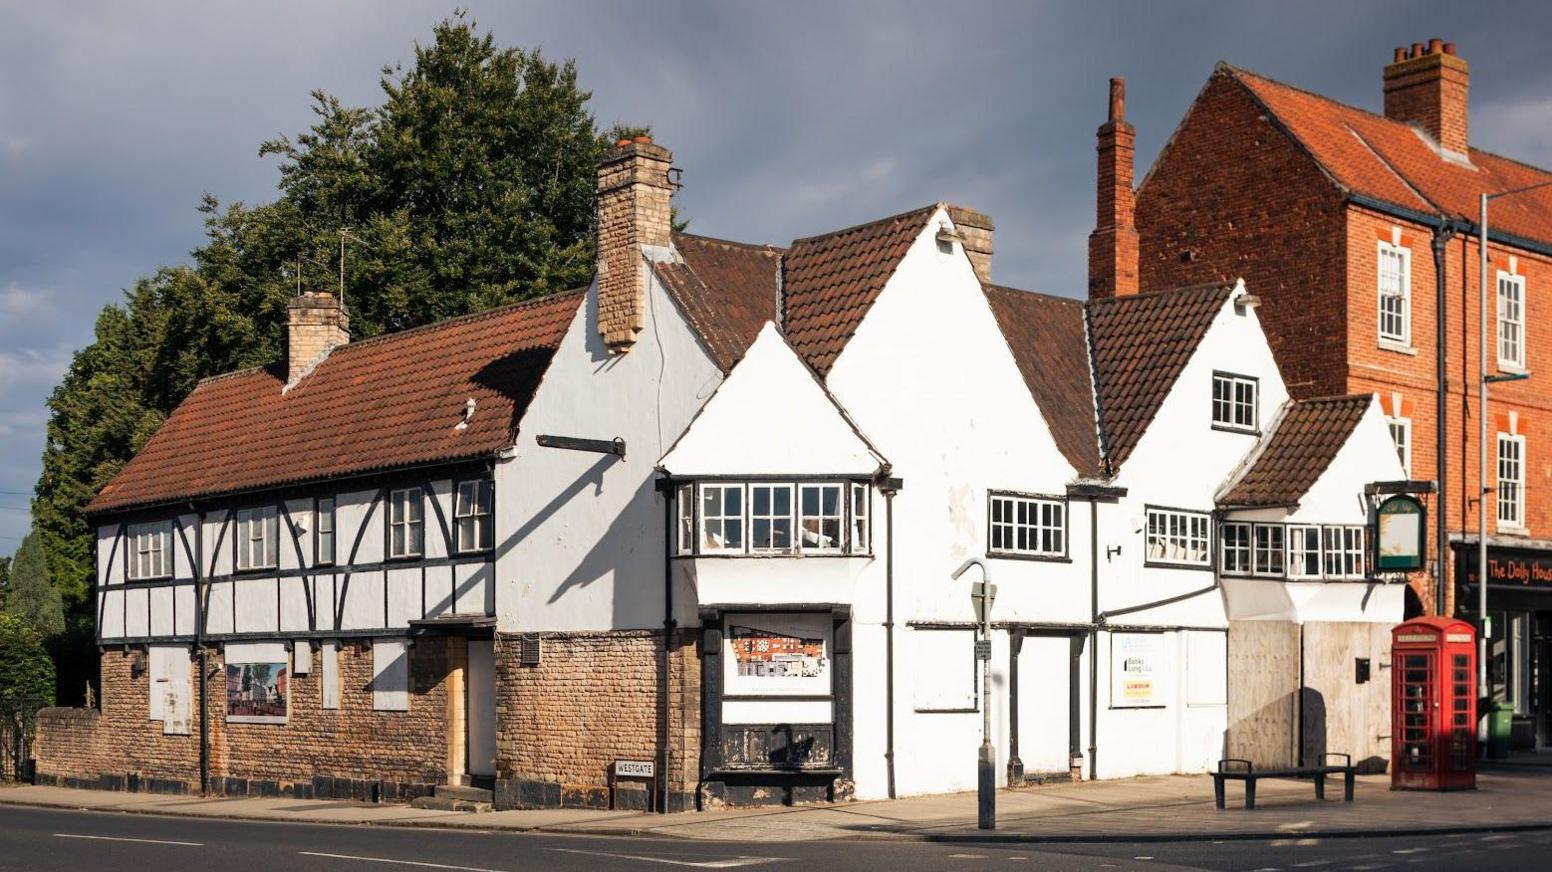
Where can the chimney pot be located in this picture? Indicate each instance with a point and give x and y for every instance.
(1449, 48)
(1117, 99)
(1435, 46)
(1417, 50)
(643, 140)
(621, 143)
(1400, 54)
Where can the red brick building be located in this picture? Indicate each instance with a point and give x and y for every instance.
(1359, 232)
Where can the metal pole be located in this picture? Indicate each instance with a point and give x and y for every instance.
(986, 807)
(1482, 622)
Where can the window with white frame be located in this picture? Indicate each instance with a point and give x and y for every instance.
(1401, 434)
(1395, 294)
(1178, 537)
(1234, 548)
(1034, 526)
(1268, 550)
(473, 514)
(324, 533)
(1511, 321)
(821, 511)
(1342, 552)
(150, 551)
(1234, 401)
(859, 518)
(406, 523)
(722, 518)
(770, 517)
(1304, 552)
(1511, 480)
(258, 538)
(684, 498)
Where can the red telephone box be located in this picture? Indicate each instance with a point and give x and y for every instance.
(1433, 705)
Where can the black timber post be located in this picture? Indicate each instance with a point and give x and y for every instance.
(1015, 765)
(711, 694)
(840, 679)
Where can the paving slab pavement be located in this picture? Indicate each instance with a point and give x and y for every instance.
(1150, 808)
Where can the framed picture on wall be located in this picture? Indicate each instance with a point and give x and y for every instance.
(257, 693)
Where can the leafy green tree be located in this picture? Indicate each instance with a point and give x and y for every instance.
(5, 573)
(469, 186)
(26, 672)
(29, 595)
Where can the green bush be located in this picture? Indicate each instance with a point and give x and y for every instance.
(26, 672)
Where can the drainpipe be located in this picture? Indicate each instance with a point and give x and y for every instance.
(1093, 640)
(199, 645)
(669, 625)
(1442, 234)
(889, 487)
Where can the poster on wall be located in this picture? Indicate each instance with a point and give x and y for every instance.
(1138, 672)
(256, 693)
(780, 655)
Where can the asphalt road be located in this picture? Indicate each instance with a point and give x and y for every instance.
(39, 840)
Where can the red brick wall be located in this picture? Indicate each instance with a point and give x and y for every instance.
(1232, 197)
(593, 699)
(354, 743)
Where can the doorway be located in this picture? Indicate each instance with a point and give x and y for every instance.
(480, 706)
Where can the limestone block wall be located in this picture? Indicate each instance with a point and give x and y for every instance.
(350, 752)
(593, 699)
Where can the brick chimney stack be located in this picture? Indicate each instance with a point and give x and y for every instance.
(978, 230)
(1427, 86)
(318, 324)
(634, 220)
(1113, 248)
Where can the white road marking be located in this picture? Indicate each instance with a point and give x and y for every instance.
(967, 856)
(1410, 851)
(1142, 858)
(394, 862)
(728, 863)
(122, 839)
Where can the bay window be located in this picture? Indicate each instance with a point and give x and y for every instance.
(771, 518)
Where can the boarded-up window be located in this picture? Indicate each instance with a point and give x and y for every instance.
(943, 670)
(390, 675)
(328, 656)
(171, 685)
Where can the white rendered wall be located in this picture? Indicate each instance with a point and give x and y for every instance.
(580, 537)
(929, 378)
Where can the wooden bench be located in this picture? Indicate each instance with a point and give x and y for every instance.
(1235, 769)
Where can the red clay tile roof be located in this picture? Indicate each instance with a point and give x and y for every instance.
(1303, 441)
(1141, 343)
(381, 403)
(831, 281)
(727, 291)
(1046, 335)
(1389, 160)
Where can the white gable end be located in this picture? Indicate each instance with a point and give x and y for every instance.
(770, 416)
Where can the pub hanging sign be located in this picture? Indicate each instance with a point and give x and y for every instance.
(1402, 528)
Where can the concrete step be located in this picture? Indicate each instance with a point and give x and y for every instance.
(445, 803)
(472, 794)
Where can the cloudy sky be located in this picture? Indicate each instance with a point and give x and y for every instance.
(789, 118)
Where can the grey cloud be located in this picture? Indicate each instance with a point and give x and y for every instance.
(789, 118)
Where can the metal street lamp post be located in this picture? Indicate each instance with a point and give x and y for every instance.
(1483, 381)
(982, 593)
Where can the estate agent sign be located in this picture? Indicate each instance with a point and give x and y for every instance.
(1137, 670)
